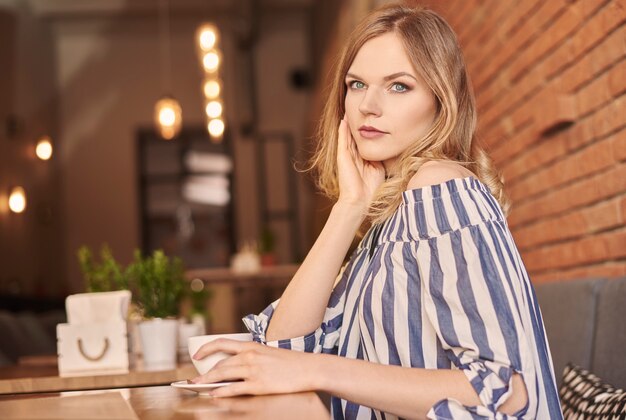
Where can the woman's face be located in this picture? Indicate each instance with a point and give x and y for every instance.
(388, 106)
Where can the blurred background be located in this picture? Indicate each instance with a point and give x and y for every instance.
(86, 74)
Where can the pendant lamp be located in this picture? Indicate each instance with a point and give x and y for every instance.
(168, 116)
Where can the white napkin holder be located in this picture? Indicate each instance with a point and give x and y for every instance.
(95, 339)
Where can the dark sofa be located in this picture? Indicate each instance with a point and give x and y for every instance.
(585, 321)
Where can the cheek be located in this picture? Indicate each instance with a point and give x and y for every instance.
(417, 118)
(350, 104)
(352, 109)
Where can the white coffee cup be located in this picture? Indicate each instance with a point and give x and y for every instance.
(204, 365)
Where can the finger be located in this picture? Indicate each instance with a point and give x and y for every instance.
(234, 360)
(225, 373)
(220, 345)
(341, 135)
(349, 139)
(239, 388)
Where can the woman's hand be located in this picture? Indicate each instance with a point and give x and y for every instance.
(358, 178)
(262, 369)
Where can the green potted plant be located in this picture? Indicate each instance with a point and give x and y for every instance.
(267, 245)
(106, 285)
(157, 284)
(103, 276)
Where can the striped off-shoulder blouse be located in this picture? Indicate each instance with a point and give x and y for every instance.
(440, 284)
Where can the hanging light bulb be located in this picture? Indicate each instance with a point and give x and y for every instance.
(216, 128)
(43, 150)
(211, 61)
(208, 36)
(17, 200)
(168, 117)
(210, 54)
(212, 89)
(214, 109)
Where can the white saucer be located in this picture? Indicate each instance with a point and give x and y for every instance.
(201, 389)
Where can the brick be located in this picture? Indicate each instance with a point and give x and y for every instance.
(581, 133)
(559, 59)
(554, 35)
(585, 162)
(610, 51)
(521, 41)
(484, 98)
(587, 250)
(593, 95)
(603, 216)
(569, 189)
(477, 19)
(521, 100)
(602, 270)
(619, 146)
(616, 244)
(535, 157)
(575, 76)
(518, 14)
(550, 230)
(593, 62)
(553, 109)
(617, 79)
(456, 20)
(492, 12)
(589, 7)
(505, 150)
(597, 156)
(576, 223)
(610, 17)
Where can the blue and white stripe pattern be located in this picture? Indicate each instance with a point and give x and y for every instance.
(443, 286)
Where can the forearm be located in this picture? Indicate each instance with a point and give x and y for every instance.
(302, 305)
(405, 392)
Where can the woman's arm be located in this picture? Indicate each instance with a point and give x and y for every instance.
(406, 392)
(301, 307)
(302, 304)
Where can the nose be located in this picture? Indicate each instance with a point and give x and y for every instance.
(370, 104)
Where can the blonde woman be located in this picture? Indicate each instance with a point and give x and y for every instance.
(434, 314)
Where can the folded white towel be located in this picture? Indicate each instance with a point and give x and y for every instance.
(89, 308)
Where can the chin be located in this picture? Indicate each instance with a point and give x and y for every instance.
(372, 155)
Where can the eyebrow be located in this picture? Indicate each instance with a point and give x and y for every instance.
(386, 78)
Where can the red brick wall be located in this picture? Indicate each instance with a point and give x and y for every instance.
(550, 79)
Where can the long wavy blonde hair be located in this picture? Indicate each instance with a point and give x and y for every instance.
(436, 55)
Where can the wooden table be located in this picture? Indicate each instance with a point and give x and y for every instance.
(29, 379)
(162, 402)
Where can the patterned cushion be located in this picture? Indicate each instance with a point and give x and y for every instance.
(584, 396)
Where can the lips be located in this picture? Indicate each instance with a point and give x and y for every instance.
(369, 132)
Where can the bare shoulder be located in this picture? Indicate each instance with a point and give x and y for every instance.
(435, 172)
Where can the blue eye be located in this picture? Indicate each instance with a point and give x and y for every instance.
(399, 87)
(355, 84)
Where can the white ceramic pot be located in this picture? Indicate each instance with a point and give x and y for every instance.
(184, 332)
(159, 339)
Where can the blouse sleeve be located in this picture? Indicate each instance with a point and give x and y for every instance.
(324, 339)
(471, 298)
